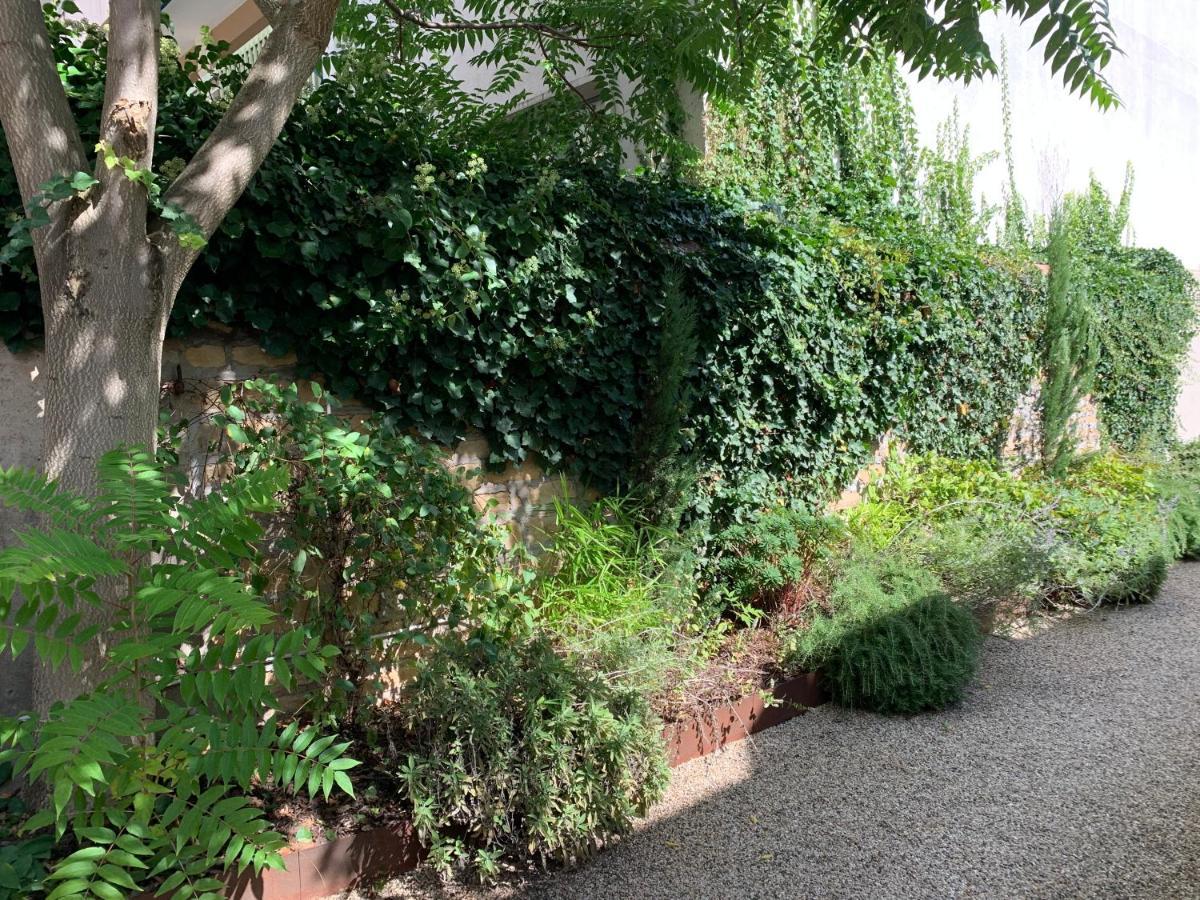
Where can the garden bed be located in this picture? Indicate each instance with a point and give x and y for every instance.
(365, 857)
(713, 729)
(318, 870)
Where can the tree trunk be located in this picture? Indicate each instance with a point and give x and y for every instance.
(104, 331)
(108, 267)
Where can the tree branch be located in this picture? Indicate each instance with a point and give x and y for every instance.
(270, 9)
(42, 137)
(216, 176)
(558, 71)
(130, 113)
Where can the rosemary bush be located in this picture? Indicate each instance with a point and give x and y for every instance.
(893, 640)
(509, 748)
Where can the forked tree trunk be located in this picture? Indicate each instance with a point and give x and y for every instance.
(108, 268)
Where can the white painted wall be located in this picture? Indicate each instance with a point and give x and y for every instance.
(189, 16)
(1060, 138)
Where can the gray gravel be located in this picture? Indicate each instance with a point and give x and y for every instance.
(1071, 770)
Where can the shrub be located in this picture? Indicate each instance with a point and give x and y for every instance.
(933, 488)
(146, 770)
(1101, 527)
(1184, 522)
(1178, 484)
(967, 524)
(1069, 350)
(1109, 551)
(779, 562)
(983, 563)
(893, 640)
(1113, 476)
(1113, 527)
(374, 544)
(1181, 497)
(512, 749)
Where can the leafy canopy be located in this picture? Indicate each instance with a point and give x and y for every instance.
(636, 55)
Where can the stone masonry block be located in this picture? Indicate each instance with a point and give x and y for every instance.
(252, 355)
(205, 356)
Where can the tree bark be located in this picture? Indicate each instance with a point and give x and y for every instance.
(108, 270)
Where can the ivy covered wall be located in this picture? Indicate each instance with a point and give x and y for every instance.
(519, 295)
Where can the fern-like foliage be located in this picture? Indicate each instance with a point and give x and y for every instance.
(146, 772)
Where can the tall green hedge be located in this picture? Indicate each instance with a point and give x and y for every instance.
(1145, 303)
(522, 297)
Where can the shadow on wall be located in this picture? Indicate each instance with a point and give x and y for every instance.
(20, 445)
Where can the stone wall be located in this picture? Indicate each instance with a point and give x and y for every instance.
(889, 447)
(1024, 434)
(520, 496)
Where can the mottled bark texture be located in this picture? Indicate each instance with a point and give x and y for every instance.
(108, 268)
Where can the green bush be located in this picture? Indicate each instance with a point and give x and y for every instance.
(1184, 521)
(1108, 552)
(1101, 529)
(1115, 545)
(780, 561)
(966, 523)
(893, 640)
(982, 562)
(1179, 489)
(147, 771)
(511, 749)
(1181, 497)
(934, 488)
(374, 545)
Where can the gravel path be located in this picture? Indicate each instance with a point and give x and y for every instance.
(1071, 770)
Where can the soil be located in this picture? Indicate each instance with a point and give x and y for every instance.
(746, 662)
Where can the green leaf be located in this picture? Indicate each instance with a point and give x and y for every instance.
(81, 181)
(236, 432)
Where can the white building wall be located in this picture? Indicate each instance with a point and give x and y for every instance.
(1059, 138)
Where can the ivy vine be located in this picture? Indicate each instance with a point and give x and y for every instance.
(521, 295)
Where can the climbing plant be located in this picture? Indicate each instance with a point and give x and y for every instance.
(1145, 307)
(520, 293)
